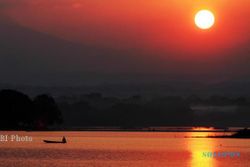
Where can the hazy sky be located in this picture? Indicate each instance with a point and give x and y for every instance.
(128, 36)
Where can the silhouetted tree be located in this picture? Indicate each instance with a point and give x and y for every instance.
(241, 101)
(46, 111)
(194, 99)
(126, 115)
(168, 111)
(16, 110)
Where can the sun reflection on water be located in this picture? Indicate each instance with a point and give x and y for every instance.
(198, 147)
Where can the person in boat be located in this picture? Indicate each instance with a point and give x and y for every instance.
(64, 139)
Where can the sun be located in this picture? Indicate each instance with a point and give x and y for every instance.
(204, 19)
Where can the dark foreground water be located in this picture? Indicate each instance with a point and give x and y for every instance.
(121, 149)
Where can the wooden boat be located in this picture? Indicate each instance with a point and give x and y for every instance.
(50, 141)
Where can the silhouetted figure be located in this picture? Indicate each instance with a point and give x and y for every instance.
(64, 139)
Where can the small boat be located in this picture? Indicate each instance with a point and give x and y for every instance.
(51, 141)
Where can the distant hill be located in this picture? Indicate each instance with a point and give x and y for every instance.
(30, 58)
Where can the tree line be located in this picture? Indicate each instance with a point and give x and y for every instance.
(137, 111)
(20, 112)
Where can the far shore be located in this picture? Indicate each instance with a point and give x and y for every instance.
(139, 129)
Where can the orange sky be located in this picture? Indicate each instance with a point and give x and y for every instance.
(164, 25)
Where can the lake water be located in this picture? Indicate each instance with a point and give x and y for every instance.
(122, 149)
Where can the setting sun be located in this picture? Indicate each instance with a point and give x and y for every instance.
(204, 19)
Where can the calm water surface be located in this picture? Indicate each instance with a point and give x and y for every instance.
(121, 149)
